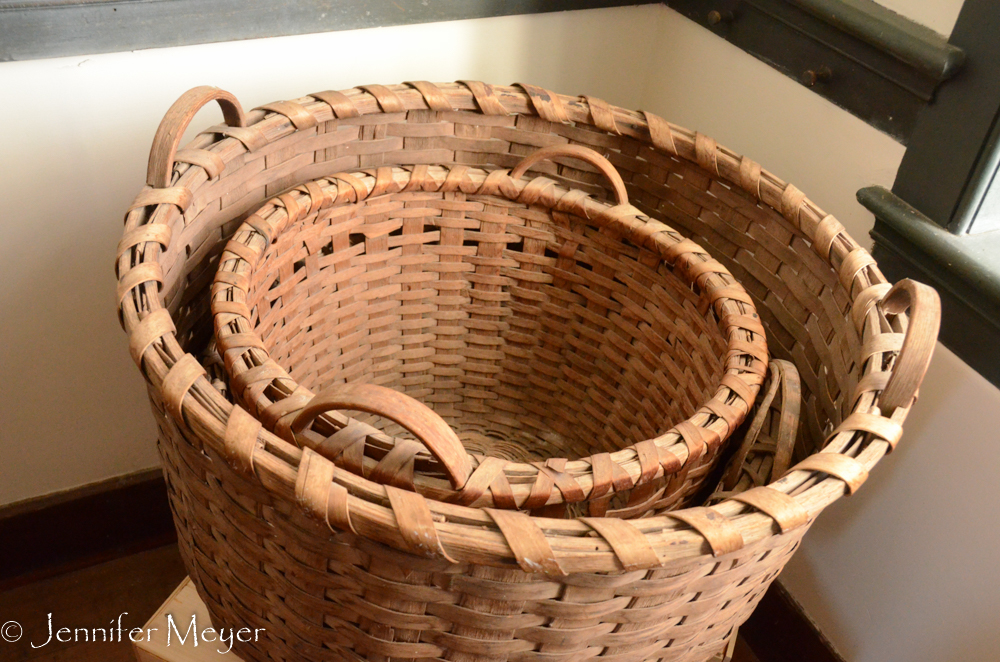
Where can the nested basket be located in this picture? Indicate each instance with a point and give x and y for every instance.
(336, 567)
(561, 354)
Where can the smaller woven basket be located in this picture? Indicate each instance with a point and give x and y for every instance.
(575, 363)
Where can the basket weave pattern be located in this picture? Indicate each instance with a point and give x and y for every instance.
(538, 335)
(278, 537)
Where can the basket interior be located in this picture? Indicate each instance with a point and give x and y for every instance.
(804, 308)
(535, 333)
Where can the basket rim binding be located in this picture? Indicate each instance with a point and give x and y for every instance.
(534, 484)
(900, 347)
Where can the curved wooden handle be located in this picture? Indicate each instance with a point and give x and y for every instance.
(171, 130)
(918, 345)
(576, 152)
(412, 414)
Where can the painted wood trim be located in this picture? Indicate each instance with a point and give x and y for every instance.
(954, 151)
(878, 65)
(779, 630)
(56, 28)
(965, 269)
(84, 526)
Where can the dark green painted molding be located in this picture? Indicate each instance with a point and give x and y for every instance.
(973, 258)
(907, 40)
(965, 269)
(872, 62)
(55, 28)
(954, 151)
(876, 64)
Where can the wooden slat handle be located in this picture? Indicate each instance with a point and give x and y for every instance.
(171, 130)
(918, 345)
(575, 152)
(412, 414)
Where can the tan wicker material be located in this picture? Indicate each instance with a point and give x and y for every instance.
(466, 289)
(278, 537)
(215, 370)
(769, 441)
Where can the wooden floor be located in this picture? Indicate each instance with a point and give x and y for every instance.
(95, 597)
(90, 598)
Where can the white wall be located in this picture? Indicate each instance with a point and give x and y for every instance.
(706, 84)
(73, 154)
(905, 570)
(938, 15)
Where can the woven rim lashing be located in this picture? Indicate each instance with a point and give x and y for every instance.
(503, 275)
(264, 526)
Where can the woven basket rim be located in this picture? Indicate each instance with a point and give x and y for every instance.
(717, 287)
(474, 535)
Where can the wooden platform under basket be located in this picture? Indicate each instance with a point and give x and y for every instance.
(183, 604)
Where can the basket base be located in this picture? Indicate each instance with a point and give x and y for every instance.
(161, 639)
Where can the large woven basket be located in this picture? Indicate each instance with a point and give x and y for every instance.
(336, 567)
(560, 354)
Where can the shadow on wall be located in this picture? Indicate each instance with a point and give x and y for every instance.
(840, 523)
(810, 593)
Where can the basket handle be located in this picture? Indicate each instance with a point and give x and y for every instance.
(413, 415)
(918, 344)
(576, 152)
(171, 130)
